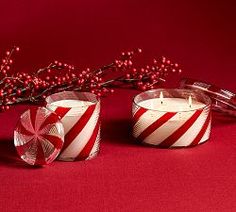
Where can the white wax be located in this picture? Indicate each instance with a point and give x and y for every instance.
(170, 104)
(71, 103)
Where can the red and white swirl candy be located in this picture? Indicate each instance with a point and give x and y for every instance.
(39, 136)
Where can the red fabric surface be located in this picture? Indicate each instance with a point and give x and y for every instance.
(125, 176)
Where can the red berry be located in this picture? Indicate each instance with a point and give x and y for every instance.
(143, 88)
(140, 76)
(127, 76)
(36, 87)
(18, 91)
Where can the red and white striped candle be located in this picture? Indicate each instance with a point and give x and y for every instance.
(171, 117)
(79, 113)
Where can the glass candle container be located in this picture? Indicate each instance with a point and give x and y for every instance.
(171, 117)
(79, 113)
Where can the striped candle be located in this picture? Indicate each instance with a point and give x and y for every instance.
(181, 118)
(79, 113)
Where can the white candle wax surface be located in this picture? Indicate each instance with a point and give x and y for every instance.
(171, 104)
(77, 106)
(71, 103)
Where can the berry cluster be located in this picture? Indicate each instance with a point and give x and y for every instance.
(58, 76)
(151, 75)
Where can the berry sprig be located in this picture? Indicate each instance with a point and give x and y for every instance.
(57, 76)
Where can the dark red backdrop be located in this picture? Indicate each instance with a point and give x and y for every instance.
(200, 35)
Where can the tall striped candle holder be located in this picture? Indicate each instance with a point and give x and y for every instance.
(171, 117)
(79, 113)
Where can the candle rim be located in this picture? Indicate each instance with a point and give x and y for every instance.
(49, 99)
(206, 105)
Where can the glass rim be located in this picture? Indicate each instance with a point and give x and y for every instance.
(206, 105)
(92, 95)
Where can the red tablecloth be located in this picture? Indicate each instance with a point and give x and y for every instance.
(125, 176)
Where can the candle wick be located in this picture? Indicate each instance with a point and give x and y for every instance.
(190, 101)
(161, 97)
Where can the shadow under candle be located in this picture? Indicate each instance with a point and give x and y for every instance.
(117, 131)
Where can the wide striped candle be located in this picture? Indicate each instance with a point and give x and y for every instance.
(79, 113)
(171, 117)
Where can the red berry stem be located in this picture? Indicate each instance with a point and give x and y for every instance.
(57, 76)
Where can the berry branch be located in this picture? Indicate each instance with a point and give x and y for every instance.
(57, 76)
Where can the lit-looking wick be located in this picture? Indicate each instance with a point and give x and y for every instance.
(161, 97)
(190, 101)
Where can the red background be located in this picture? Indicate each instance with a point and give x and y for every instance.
(200, 35)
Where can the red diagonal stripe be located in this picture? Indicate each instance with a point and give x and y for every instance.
(88, 147)
(60, 111)
(138, 114)
(54, 140)
(180, 131)
(78, 127)
(159, 122)
(202, 131)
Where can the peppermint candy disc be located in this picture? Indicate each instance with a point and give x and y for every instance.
(39, 136)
